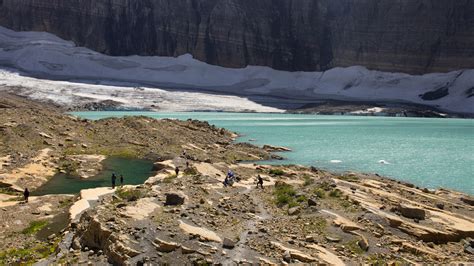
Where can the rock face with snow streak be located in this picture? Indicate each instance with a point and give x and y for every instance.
(411, 36)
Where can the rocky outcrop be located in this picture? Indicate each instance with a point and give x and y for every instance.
(412, 212)
(271, 148)
(165, 246)
(95, 234)
(405, 36)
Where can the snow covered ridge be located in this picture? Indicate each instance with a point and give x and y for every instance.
(41, 58)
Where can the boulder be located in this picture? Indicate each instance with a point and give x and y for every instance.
(44, 135)
(228, 243)
(310, 239)
(119, 253)
(349, 227)
(333, 239)
(312, 202)
(412, 212)
(363, 243)
(468, 200)
(394, 221)
(287, 256)
(294, 211)
(76, 244)
(174, 198)
(469, 246)
(186, 250)
(302, 257)
(165, 246)
(469, 250)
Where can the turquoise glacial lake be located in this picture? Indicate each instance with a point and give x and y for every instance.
(428, 152)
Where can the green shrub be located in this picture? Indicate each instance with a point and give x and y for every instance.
(190, 171)
(335, 193)
(129, 194)
(277, 172)
(34, 227)
(283, 199)
(284, 194)
(325, 185)
(302, 198)
(320, 193)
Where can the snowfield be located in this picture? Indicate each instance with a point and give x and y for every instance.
(47, 67)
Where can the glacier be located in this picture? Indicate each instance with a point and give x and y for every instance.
(42, 66)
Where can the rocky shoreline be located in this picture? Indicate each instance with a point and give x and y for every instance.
(72, 103)
(388, 109)
(303, 214)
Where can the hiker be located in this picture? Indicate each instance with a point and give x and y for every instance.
(121, 180)
(228, 181)
(114, 177)
(176, 170)
(259, 181)
(26, 194)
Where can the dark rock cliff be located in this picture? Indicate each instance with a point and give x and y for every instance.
(413, 36)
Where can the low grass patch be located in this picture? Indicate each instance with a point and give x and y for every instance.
(169, 178)
(276, 172)
(19, 198)
(65, 203)
(317, 225)
(129, 194)
(8, 191)
(122, 152)
(349, 178)
(70, 166)
(354, 247)
(377, 260)
(335, 193)
(34, 227)
(27, 255)
(293, 204)
(125, 153)
(308, 180)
